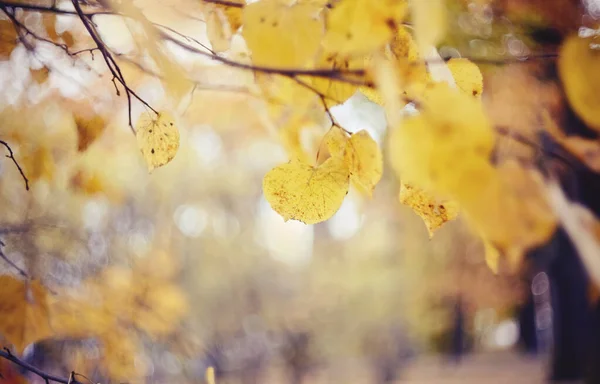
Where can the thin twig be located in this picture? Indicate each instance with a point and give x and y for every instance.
(8, 355)
(110, 61)
(226, 3)
(12, 157)
(12, 263)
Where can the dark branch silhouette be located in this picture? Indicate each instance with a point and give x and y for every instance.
(12, 157)
(11, 263)
(8, 355)
(226, 3)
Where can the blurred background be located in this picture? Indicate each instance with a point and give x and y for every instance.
(366, 297)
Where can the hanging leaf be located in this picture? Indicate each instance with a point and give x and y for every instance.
(305, 193)
(158, 139)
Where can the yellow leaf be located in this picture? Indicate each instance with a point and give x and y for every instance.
(364, 159)
(308, 194)
(578, 65)
(120, 352)
(336, 92)
(282, 36)
(358, 27)
(158, 138)
(451, 128)
(429, 21)
(88, 130)
(403, 45)
(467, 76)
(233, 14)
(433, 211)
(336, 139)
(217, 30)
(24, 315)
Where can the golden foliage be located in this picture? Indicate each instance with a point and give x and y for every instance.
(434, 212)
(157, 138)
(23, 312)
(8, 39)
(358, 27)
(282, 36)
(305, 193)
(467, 76)
(365, 162)
(577, 63)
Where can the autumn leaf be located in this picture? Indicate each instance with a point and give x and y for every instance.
(359, 27)
(305, 193)
(40, 75)
(282, 36)
(9, 373)
(157, 138)
(578, 63)
(467, 76)
(434, 212)
(365, 161)
(23, 312)
(336, 140)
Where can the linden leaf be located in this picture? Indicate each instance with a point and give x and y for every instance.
(23, 312)
(157, 309)
(308, 194)
(365, 162)
(40, 75)
(158, 139)
(452, 128)
(578, 66)
(403, 45)
(467, 76)
(434, 212)
(282, 36)
(336, 139)
(88, 130)
(357, 27)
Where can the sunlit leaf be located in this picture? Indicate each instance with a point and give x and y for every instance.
(358, 27)
(88, 130)
(434, 212)
(282, 36)
(158, 138)
(305, 193)
(467, 76)
(365, 161)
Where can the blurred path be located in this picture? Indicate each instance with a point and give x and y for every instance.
(490, 368)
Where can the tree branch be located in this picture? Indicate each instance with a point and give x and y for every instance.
(110, 61)
(226, 3)
(11, 263)
(7, 354)
(12, 157)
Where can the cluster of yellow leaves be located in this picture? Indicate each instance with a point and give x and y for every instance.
(113, 307)
(446, 149)
(312, 194)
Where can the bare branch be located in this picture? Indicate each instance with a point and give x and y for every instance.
(7, 354)
(225, 3)
(12, 157)
(110, 61)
